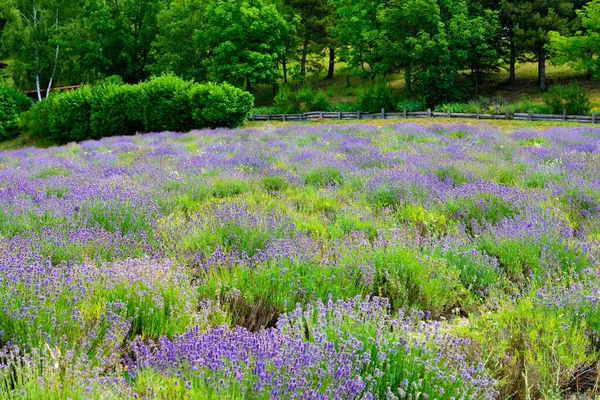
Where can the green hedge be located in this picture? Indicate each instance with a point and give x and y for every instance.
(166, 103)
(12, 103)
(222, 105)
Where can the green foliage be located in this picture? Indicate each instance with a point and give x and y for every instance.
(12, 104)
(245, 40)
(572, 98)
(324, 176)
(479, 208)
(376, 96)
(410, 105)
(221, 105)
(524, 106)
(166, 101)
(305, 99)
(117, 109)
(176, 50)
(312, 100)
(581, 50)
(69, 116)
(537, 349)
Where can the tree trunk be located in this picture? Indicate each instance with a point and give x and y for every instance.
(513, 60)
(248, 84)
(284, 65)
(331, 63)
(55, 58)
(542, 69)
(477, 82)
(408, 78)
(37, 55)
(304, 54)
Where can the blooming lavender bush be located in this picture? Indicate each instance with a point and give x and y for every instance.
(230, 263)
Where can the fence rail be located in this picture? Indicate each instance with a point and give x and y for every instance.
(358, 115)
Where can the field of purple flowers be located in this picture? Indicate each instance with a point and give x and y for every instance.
(303, 262)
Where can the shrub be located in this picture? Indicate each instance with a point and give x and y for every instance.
(453, 107)
(12, 103)
(376, 96)
(572, 98)
(117, 110)
(166, 101)
(410, 105)
(286, 101)
(220, 105)
(525, 105)
(69, 116)
(324, 176)
(313, 100)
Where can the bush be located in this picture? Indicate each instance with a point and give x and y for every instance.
(572, 98)
(376, 96)
(69, 116)
(220, 105)
(525, 105)
(410, 105)
(166, 101)
(117, 110)
(304, 100)
(313, 100)
(12, 103)
(286, 101)
(453, 107)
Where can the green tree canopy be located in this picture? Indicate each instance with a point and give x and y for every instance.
(245, 40)
(582, 50)
(176, 49)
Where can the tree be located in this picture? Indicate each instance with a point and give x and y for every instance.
(176, 49)
(314, 18)
(245, 40)
(114, 37)
(31, 38)
(582, 50)
(532, 20)
(359, 33)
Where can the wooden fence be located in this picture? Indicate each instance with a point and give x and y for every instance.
(358, 115)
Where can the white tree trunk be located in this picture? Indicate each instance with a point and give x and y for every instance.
(55, 57)
(37, 52)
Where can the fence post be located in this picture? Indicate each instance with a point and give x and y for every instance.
(507, 114)
(383, 113)
(321, 114)
(358, 113)
(564, 115)
(339, 115)
(449, 114)
(477, 114)
(530, 115)
(268, 117)
(253, 117)
(593, 118)
(283, 117)
(404, 113)
(429, 113)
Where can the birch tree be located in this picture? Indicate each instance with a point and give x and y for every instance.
(31, 39)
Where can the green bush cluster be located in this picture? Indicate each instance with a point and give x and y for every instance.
(12, 103)
(305, 99)
(376, 96)
(572, 98)
(165, 103)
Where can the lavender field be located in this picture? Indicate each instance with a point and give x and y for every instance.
(303, 262)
